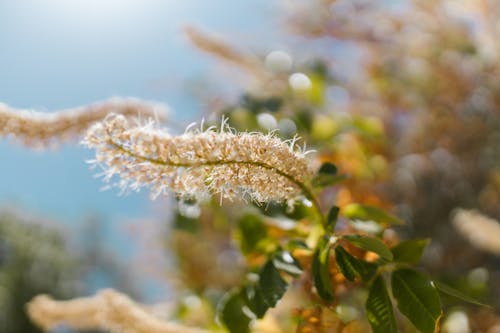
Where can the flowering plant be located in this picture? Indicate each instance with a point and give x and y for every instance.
(321, 258)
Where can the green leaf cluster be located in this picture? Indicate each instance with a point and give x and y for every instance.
(253, 299)
(389, 279)
(415, 294)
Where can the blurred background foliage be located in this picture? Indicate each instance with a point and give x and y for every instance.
(33, 260)
(37, 257)
(414, 127)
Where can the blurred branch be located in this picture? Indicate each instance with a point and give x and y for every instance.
(219, 48)
(108, 309)
(40, 129)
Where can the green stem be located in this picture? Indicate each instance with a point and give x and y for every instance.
(303, 187)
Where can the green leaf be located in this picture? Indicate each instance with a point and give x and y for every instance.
(331, 219)
(271, 284)
(371, 244)
(352, 267)
(369, 213)
(285, 262)
(417, 299)
(345, 263)
(327, 175)
(297, 243)
(232, 315)
(410, 251)
(379, 311)
(328, 168)
(444, 288)
(321, 270)
(366, 270)
(255, 300)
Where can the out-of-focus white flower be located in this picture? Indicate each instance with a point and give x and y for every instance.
(300, 82)
(483, 232)
(279, 61)
(108, 310)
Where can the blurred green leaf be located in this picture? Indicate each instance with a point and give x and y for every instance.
(232, 315)
(410, 251)
(444, 288)
(272, 103)
(328, 168)
(304, 118)
(271, 284)
(296, 212)
(327, 176)
(379, 310)
(417, 299)
(352, 267)
(321, 270)
(331, 219)
(251, 231)
(184, 223)
(250, 102)
(371, 244)
(320, 68)
(369, 213)
(285, 262)
(256, 104)
(323, 180)
(317, 92)
(344, 263)
(297, 243)
(255, 300)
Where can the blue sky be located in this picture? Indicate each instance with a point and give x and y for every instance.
(62, 53)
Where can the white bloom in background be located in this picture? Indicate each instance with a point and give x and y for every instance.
(267, 121)
(481, 231)
(300, 82)
(278, 61)
(456, 322)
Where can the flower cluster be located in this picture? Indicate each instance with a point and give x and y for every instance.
(108, 310)
(41, 129)
(197, 163)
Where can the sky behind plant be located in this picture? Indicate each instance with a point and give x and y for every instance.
(56, 54)
(63, 53)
